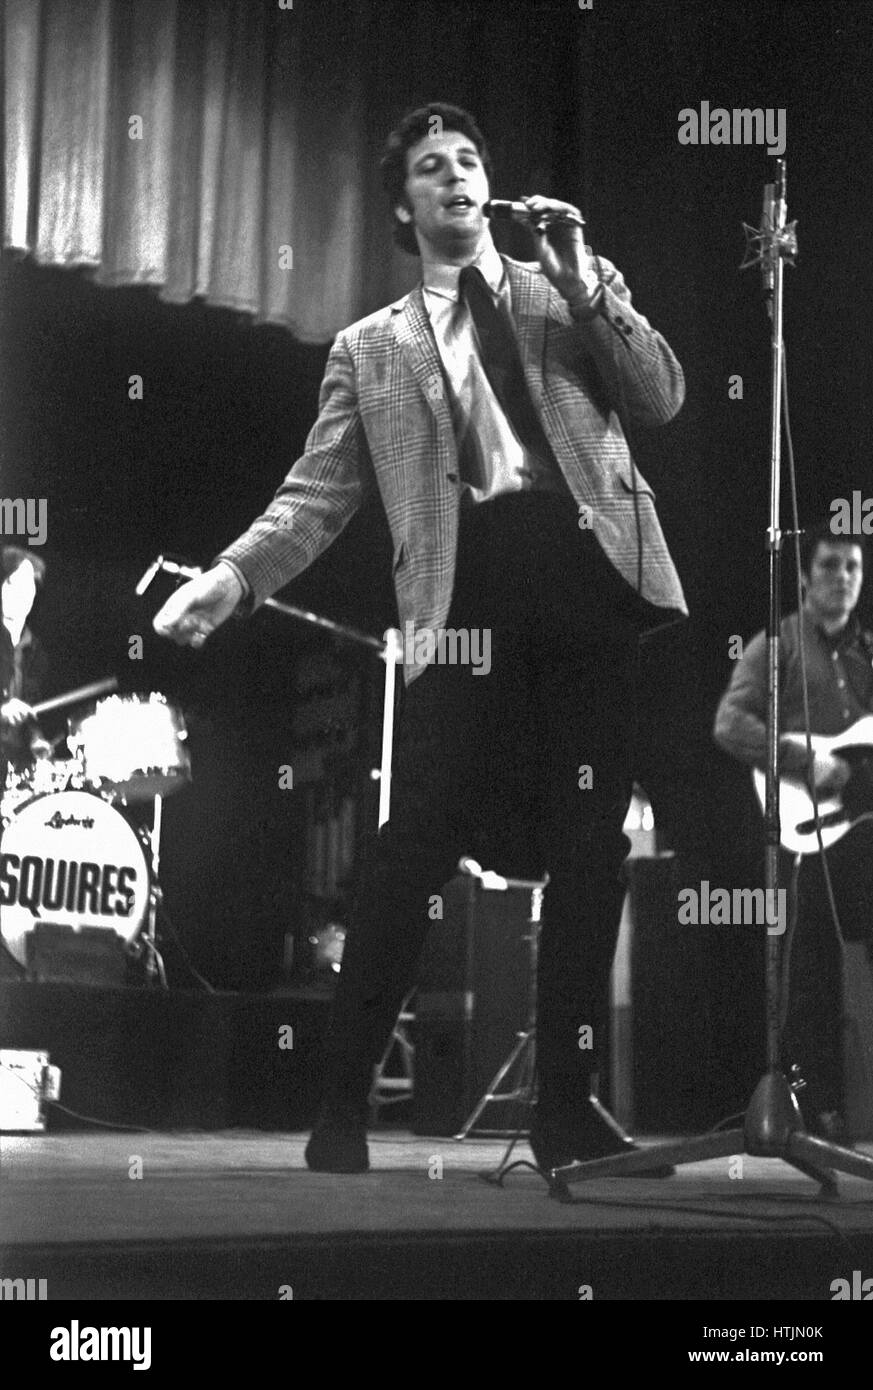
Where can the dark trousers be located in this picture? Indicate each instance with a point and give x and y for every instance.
(489, 765)
(813, 1036)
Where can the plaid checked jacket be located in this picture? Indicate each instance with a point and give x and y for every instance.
(384, 422)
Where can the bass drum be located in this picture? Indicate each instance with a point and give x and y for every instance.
(70, 859)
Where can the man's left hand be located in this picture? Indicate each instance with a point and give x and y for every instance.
(561, 250)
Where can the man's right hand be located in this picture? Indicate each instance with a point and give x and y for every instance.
(193, 612)
(15, 713)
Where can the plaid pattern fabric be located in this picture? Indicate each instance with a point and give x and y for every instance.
(384, 422)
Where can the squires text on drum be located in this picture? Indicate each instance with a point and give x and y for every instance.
(73, 860)
(52, 885)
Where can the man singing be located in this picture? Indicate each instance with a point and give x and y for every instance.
(487, 408)
(839, 662)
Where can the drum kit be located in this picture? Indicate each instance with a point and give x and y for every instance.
(72, 852)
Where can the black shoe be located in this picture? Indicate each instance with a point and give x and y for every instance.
(338, 1143)
(556, 1143)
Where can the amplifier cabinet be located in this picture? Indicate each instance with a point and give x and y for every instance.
(858, 1040)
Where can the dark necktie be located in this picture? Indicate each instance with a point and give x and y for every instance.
(502, 361)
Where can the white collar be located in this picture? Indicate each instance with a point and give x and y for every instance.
(442, 279)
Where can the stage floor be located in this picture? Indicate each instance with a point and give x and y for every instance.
(237, 1215)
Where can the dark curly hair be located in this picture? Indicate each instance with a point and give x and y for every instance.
(414, 126)
(13, 556)
(821, 533)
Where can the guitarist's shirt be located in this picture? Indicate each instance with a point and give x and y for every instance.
(840, 680)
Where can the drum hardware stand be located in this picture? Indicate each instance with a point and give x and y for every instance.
(390, 1090)
(519, 1068)
(522, 1058)
(147, 945)
(773, 1126)
(390, 651)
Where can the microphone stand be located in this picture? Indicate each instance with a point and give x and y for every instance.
(773, 1126)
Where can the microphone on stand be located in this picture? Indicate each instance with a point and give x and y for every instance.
(768, 223)
(775, 239)
(781, 195)
(487, 877)
(180, 567)
(149, 576)
(166, 565)
(773, 214)
(466, 865)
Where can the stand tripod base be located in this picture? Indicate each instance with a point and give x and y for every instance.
(521, 1058)
(773, 1129)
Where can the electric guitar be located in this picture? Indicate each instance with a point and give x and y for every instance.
(838, 812)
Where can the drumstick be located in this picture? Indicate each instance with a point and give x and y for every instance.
(82, 692)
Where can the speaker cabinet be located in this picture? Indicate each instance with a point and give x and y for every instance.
(858, 1041)
(475, 985)
(686, 1002)
(685, 1006)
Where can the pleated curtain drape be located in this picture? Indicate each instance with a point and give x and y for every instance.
(212, 149)
(228, 149)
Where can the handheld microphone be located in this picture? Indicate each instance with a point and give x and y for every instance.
(505, 210)
(511, 210)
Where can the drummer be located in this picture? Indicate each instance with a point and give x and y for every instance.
(22, 661)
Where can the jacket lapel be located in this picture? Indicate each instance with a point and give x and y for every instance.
(530, 301)
(418, 345)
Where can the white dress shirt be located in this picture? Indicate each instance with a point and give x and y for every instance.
(507, 465)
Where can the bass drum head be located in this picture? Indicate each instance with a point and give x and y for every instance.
(70, 859)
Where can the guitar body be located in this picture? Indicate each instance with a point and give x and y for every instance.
(837, 813)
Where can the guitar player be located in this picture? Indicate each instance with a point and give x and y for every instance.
(839, 664)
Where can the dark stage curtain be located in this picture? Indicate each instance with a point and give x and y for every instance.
(250, 139)
(227, 149)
